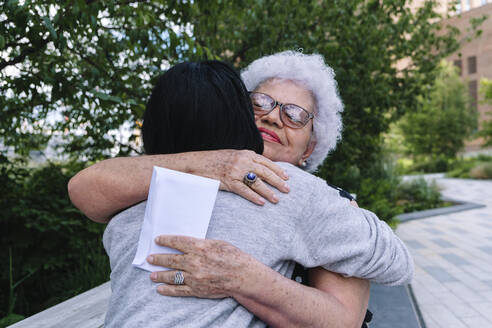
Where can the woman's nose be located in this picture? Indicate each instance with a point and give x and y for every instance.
(273, 117)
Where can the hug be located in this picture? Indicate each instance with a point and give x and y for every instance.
(271, 130)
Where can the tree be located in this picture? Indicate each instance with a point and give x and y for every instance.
(81, 69)
(486, 128)
(51, 251)
(364, 41)
(444, 119)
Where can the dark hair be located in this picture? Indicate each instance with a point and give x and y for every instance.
(200, 106)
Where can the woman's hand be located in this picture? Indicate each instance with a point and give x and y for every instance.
(211, 268)
(217, 269)
(109, 186)
(230, 167)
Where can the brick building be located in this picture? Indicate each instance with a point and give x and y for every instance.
(474, 59)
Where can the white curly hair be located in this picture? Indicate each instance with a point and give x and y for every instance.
(311, 72)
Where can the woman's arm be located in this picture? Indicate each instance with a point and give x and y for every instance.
(333, 302)
(348, 240)
(216, 269)
(353, 293)
(110, 186)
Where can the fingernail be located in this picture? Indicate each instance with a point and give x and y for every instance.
(286, 187)
(153, 276)
(275, 198)
(156, 240)
(261, 200)
(150, 259)
(160, 288)
(286, 176)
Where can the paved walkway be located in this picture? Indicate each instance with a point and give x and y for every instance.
(453, 259)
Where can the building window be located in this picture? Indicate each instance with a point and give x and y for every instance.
(472, 64)
(473, 91)
(457, 63)
(458, 7)
(467, 5)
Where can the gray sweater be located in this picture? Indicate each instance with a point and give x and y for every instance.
(312, 225)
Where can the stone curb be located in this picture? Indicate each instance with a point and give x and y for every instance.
(462, 206)
(416, 307)
(394, 306)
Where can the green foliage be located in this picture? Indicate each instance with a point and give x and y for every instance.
(83, 68)
(486, 128)
(455, 168)
(362, 40)
(378, 192)
(430, 164)
(10, 319)
(56, 252)
(418, 195)
(486, 90)
(481, 171)
(438, 129)
(379, 196)
(463, 167)
(94, 62)
(385, 193)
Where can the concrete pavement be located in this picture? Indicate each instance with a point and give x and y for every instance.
(453, 258)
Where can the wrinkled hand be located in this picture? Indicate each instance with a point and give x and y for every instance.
(211, 268)
(230, 167)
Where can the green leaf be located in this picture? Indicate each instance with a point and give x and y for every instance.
(12, 3)
(11, 319)
(361, 40)
(48, 24)
(104, 96)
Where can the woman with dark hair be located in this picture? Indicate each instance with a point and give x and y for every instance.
(205, 106)
(199, 106)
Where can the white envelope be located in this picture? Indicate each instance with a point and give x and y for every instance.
(178, 204)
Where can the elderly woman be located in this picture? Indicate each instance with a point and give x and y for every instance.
(297, 112)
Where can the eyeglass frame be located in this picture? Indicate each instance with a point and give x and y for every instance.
(280, 106)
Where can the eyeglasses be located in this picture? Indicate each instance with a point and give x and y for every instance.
(291, 115)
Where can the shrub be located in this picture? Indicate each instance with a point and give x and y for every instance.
(387, 196)
(481, 171)
(431, 165)
(486, 126)
(484, 158)
(379, 197)
(443, 120)
(418, 195)
(52, 245)
(375, 187)
(461, 168)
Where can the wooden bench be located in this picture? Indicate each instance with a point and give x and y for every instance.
(86, 310)
(392, 307)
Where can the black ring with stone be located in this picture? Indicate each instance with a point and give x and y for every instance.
(249, 179)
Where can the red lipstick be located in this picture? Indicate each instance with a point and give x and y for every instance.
(269, 135)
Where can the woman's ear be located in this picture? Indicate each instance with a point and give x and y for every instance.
(309, 150)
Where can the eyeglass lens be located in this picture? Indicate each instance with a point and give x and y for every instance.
(290, 114)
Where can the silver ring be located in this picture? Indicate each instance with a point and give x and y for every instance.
(179, 278)
(249, 178)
